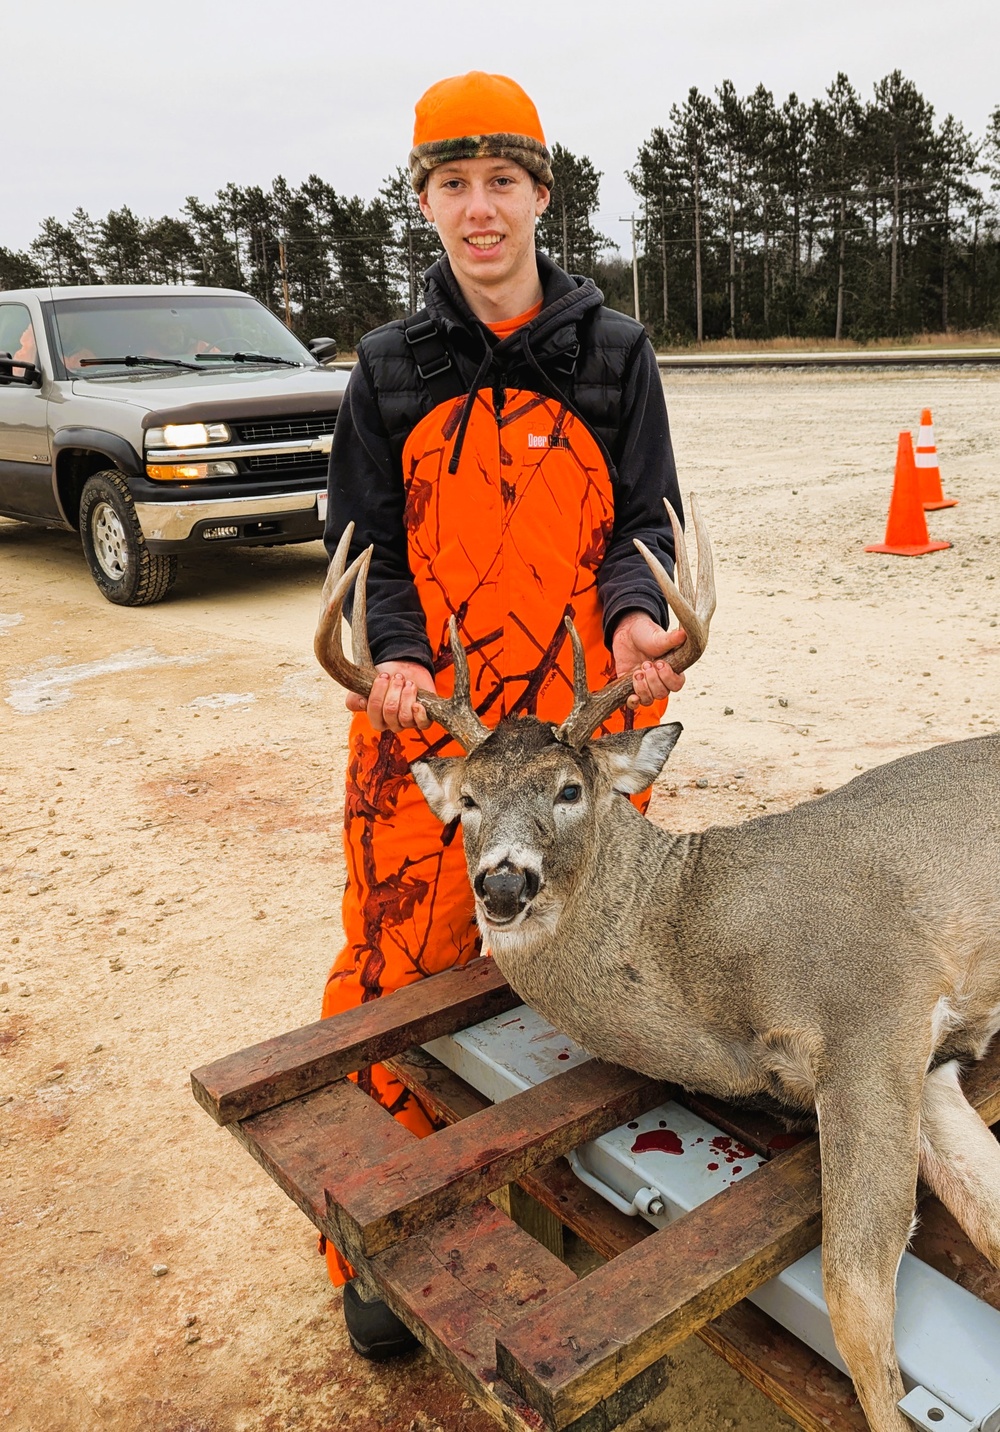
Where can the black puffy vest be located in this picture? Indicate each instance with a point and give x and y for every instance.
(608, 341)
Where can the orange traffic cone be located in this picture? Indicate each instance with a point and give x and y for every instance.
(906, 528)
(928, 471)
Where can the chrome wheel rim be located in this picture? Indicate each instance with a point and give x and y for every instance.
(110, 542)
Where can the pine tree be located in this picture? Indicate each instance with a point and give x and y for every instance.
(566, 231)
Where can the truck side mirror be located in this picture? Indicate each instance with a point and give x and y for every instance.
(14, 371)
(323, 349)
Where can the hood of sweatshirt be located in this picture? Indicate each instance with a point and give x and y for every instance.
(567, 298)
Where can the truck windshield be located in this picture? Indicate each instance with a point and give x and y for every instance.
(171, 326)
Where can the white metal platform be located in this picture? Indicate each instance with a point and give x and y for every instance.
(669, 1160)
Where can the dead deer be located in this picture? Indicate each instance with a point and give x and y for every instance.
(842, 957)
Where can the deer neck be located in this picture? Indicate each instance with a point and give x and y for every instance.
(590, 944)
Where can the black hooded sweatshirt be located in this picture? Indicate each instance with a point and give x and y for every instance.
(596, 360)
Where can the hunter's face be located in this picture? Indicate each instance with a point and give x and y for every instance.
(484, 211)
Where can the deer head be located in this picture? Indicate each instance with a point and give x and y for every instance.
(530, 795)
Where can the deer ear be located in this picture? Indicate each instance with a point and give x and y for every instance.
(632, 760)
(438, 778)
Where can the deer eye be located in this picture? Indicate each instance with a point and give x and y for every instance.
(467, 803)
(569, 795)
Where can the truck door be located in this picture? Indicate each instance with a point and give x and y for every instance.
(26, 486)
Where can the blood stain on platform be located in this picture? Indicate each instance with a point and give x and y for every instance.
(731, 1149)
(661, 1141)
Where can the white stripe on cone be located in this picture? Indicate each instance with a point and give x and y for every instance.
(926, 453)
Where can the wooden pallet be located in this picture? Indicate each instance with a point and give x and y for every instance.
(534, 1345)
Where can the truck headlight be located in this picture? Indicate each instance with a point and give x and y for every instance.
(184, 435)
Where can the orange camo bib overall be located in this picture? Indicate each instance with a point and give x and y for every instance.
(510, 544)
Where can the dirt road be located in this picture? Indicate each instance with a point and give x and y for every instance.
(170, 874)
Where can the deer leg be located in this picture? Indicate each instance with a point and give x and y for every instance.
(869, 1140)
(960, 1159)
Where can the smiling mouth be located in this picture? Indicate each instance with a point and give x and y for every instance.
(484, 241)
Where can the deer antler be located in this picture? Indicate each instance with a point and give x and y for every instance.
(455, 714)
(693, 609)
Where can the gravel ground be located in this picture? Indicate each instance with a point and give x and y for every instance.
(170, 873)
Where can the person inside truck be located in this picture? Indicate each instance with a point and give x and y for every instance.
(500, 449)
(173, 339)
(27, 351)
(74, 348)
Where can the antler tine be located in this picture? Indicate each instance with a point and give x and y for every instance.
(692, 607)
(460, 691)
(360, 649)
(455, 714)
(695, 619)
(581, 689)
(682, 566)
(589, 708)
(358, 675)
(705, 599)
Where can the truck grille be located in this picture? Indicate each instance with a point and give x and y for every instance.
(278, 430)
(303, 461)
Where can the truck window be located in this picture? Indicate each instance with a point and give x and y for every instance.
(17, 335)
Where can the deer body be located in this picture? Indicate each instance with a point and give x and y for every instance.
(841, 957)
(730, 960)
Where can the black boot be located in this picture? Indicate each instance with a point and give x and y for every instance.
(374, 1330)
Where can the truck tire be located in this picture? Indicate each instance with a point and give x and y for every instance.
(121, 564)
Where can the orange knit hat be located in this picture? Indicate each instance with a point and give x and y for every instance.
(477, 116)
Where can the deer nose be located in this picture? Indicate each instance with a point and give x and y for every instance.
(506, 890)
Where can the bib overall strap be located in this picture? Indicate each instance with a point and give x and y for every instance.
(432, 359)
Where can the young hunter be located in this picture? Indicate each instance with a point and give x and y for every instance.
(500, 450)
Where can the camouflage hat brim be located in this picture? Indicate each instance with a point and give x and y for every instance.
(521, 148)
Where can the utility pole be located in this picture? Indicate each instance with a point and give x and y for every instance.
(413, 277)
(284, 282)
(630, 219)
(663, 261)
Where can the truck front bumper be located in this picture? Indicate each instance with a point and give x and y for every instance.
(283, 517)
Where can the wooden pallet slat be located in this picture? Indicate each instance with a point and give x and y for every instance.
(457, 1283)
(940, 1242)
(321, 1138)
(800, 1382)
(460, 1164)
(279, 1069)
(568, 1356)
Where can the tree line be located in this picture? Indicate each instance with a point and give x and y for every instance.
(840, 218)
(325, 263)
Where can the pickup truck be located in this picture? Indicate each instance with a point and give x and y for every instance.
(160, 419)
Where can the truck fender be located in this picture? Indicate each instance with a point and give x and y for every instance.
(117, 450)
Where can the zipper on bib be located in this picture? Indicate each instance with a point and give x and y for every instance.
(499, 403)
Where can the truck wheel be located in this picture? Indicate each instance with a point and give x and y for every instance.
(121, 564)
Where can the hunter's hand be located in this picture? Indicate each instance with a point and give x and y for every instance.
(638, 645)
(392, 704)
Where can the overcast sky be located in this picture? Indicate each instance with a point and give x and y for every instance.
(142, 102)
